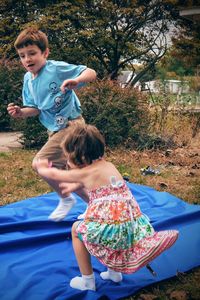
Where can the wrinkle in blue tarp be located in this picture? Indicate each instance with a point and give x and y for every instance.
(37, 260)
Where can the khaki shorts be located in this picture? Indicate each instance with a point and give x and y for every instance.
(52, 150)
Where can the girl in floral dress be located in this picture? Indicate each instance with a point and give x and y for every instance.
(114, 229)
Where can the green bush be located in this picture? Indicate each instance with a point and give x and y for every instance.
(117, 112)
(11, 76)
(34, 134)
(11, 81)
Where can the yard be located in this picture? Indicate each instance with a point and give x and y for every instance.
(176, 167)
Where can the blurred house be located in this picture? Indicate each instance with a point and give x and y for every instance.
(191, 12)
(125, 79)
(170, 86)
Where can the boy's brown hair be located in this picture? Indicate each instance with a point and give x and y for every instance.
(31, 36)
(84, 144)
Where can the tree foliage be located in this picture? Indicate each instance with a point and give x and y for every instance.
(111, 35)
(11, 74)
(105, 35)
(186, 48)
(183, 57)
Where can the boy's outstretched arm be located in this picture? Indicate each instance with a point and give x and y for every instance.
(16, 111)
(88, 75)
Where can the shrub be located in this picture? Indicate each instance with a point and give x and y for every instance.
(117, 112)
(34, 134)
(11, 75)
(11, 80)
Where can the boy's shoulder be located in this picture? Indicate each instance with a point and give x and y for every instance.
(55, 66)
(56, 63)
(27, 76)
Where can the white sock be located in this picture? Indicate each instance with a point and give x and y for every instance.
(86, 282)
(62, 209)
(82, 216)
(112, 275)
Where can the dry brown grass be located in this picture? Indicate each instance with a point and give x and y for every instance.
(178, 168)
(17, 180)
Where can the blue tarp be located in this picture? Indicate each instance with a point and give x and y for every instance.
(37, 259)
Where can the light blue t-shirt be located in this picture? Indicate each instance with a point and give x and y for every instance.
(43, 92)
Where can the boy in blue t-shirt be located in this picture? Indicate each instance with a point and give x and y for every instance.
(48, 92)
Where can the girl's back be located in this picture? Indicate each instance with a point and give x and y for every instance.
(99, 173)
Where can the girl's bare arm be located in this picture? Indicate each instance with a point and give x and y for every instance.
(45, 170)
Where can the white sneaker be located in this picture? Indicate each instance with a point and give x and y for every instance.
(63, 208)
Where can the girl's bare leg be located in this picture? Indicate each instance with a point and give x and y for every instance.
(87, 281)
(82, 255)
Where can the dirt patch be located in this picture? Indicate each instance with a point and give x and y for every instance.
(10, 141)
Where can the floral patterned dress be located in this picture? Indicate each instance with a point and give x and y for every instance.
(117, 233)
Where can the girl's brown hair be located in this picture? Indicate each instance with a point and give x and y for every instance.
(84, 144)
(31, 36)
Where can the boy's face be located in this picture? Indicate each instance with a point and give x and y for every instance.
(32, 58)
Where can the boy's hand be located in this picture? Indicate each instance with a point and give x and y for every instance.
(69, 84)
(14, 110)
